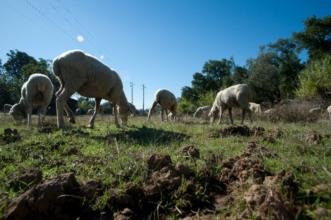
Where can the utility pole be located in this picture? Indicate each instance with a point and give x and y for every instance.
(144, 87)
(131, 85)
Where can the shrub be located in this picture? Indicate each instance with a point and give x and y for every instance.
(292, 112)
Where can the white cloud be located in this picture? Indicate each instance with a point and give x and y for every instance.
(80, 38)
(102, 57)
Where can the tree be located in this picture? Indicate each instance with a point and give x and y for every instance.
(16, 61)
(190, 94)
(240, 75)
(264, 76)
(315, 79)
(288, 64)
(316, 37)
(218, 74)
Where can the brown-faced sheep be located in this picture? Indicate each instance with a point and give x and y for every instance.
(233, 96)
(167, 101)
(85, 74)
(36, 93)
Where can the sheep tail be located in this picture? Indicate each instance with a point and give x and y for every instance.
(56, 68)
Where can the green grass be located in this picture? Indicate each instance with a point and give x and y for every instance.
(117, 156)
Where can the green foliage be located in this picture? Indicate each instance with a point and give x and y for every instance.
(85, 103)
(206, 98)
(264, 76)
(17, 70)
(316, 37)
(185, 106)
(315, 79)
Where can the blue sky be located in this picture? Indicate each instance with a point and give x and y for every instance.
(159, 43)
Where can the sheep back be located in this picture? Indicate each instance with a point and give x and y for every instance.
(91, 76)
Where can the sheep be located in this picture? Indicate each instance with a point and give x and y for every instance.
(80, 72)
(133, 109)
(6, 108)
(329, 111)
(167, 100)
(90, 111)
(254, 107)
(36, 93)
(233, 96)
(269, 111)
(202, 112)
(315, 110)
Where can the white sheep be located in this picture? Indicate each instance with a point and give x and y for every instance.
(329, 111)
(233, 96)
(202, 112)
(85, 74)
(7, 107)
(315, 110)
(269, 111)
(36, 93)
(167, 101)
(254, 107)
(90, 111)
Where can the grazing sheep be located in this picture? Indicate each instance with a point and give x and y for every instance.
(269, 111)
(315, 110)
(90, 111)
(329, 111)
(254, 107)
(6, 108)
(85, 74)
(36, 93)
(167, 100)
(133, 109)
(233, 96)
(202, 112)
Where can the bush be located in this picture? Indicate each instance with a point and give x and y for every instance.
(292, 112)
(315, 79)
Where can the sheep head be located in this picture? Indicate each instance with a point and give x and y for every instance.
(17, 112)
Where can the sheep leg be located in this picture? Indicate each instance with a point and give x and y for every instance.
(96, 110)
(61, 101)
(115, 115)
(151, 110)
(243, 116)
(166, 111)
(220, 115)
(41, 113)
(69, 113)
(162, 112)
(28, 113)
(230, 115)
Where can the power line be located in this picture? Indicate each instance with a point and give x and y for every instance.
(42, 14)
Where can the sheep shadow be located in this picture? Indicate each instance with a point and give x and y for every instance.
(145, 136)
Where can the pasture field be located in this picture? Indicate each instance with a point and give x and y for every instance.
(154, 170)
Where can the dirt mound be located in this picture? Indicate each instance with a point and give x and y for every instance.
(265, 203)
(286, 181)
(47, 128)
(25, 178)
(313, 138)
(56, 198)
(10, 135)
(191, 151)
(157, 162)
(247, 166)
(240, 130)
